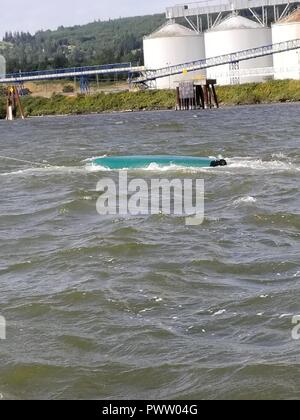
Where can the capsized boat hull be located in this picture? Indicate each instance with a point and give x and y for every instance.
(142, 162)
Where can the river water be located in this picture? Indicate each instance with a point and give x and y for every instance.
(144, 306)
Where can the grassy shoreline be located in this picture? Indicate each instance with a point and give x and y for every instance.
(247, 94)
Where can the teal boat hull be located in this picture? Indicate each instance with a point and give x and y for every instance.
(143, 162)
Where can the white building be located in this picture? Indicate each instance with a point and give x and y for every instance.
(234, 34)
(171, 45)
(287, 64)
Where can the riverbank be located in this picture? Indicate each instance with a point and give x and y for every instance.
(273, 91)
(247, 94)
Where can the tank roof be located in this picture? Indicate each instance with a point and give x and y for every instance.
(171, 29)
(236, 22)
(292, 18)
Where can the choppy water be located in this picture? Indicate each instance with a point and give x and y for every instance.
(146, 307)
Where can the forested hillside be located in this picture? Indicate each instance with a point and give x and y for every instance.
(95, 43)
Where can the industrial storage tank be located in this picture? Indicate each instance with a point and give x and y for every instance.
(170, 45)
(287, 65)
(234, 34)
(2, 66)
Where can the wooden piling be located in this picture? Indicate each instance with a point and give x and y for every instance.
(210, 95)
(178, 101)
(201, 93)
(205, 92)
(215, 95)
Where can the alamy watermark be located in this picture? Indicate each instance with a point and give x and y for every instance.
(2, 328)
(179, 197)
(296, 329)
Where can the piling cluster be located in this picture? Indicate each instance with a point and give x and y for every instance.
(191, 95)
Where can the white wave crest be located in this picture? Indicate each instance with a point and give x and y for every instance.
(245, 200)
(49, 170)
(153, 167)
(91, 159)
(261, 165)
(279, 155)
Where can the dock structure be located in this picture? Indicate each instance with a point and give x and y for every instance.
(13, 104)
(196, 94)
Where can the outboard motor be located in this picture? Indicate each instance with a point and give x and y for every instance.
(219, 162)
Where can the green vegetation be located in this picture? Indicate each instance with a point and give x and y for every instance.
(254, 93)
(96, 43)
(84, 104)
(4, 45)
(2, 102)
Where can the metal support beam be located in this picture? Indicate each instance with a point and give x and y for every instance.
(256, 16)
(266, 15)
(191, 24)
(285, 12)
(234, 68)
(276, 14)
(208, 21)
(84, 85)
(218, 18)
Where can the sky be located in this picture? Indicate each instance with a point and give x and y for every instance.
(33, 15)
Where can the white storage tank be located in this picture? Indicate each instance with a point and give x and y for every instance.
(171, 45)
(287, 65)
(2, 66)
(234, 34)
